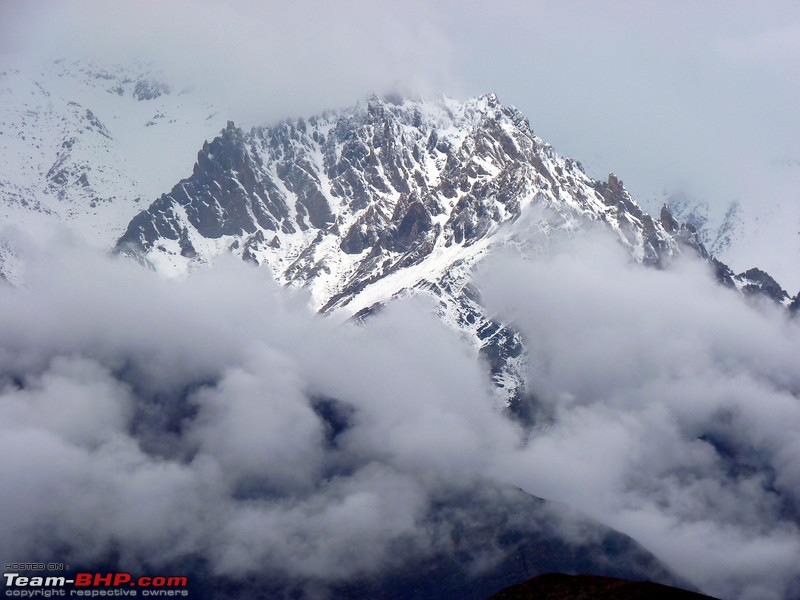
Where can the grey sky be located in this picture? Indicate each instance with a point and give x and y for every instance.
(658, 92)
(681, 97)
(698, 96)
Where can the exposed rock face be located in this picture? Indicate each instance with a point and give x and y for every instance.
(757, 282)
(369, 203)
(385, 184)
(150, 89)
(794, 306)
(389, 197)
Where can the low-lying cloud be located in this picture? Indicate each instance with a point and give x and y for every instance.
(216, 416)
(165, 418)
(671, 409)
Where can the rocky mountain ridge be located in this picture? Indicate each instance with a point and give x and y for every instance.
(386, 198)
(391, 197)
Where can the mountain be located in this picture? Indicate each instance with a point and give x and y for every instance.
(390, 197)
(718, 235)
(393, 181)
(89, 145)
(749, 232)
(357, 205)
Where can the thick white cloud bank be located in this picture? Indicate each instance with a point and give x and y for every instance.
(673, 407)
(165, 418)
(168, 418)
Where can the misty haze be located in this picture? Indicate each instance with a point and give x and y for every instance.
(293, 306)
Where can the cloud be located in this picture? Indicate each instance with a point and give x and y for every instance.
(214, 415)
(672, 409)
(772, 48)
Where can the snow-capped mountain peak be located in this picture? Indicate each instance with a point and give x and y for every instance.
(381, 199)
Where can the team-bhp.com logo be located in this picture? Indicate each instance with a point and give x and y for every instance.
(93, 585)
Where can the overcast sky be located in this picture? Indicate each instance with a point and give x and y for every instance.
(692, 95)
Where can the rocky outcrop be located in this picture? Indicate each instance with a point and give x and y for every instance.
(794, 305)
(755, 282)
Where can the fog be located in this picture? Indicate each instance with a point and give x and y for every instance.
(172, 418)
(680, 96)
